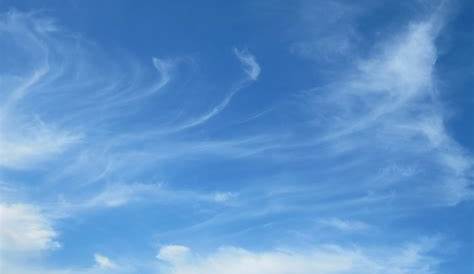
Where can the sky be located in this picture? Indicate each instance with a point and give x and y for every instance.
(211, 137)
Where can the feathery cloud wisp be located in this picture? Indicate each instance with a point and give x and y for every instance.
(249, 63)
(251, 68)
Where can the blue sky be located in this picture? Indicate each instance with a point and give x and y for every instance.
(275, 137)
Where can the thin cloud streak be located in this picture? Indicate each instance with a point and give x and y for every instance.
(251, 68)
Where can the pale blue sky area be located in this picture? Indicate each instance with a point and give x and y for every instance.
(230, 137)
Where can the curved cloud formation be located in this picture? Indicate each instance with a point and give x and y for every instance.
(251, 67)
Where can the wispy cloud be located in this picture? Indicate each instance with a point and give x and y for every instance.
(251, 68)
(119, 195)
(388, 105)
(56, 67)
(90, 127)
(25, 144)
(164, 67)
(249, 63)
(344, 225)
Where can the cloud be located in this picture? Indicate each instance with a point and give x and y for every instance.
(24, 228)
(382, 113)
(207, 116)
(388, 105)
(344, 225)
(222, 197)
(405, 67)
(28, 143)
(173, 253)
(104, 262)
(119, 195)
(410, 258)
(251, 68)
(414, 257)
(329, 33)
(250, 65)
(60, 105)
(62, 84)
(25, 139)
(116, 195)
(103, 265)
(49, 100)
(164, 67)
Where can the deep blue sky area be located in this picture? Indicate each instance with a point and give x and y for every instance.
(210, 137)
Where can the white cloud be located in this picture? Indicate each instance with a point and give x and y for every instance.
(117, 195)
(59, 78)
(165, 68)
(222, 197)
(388, 105)
(406, 65)
(174, 254)
(411, 258)
(213, 112)
(385, 88)
(104, 262)
(24, 228)
(345, 225)
(251, 68)
(250, 65)
(22, 145)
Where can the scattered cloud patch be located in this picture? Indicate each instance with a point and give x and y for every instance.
(165, 68)
(104, 262)
(33, 143)
(173, 253)
(119, 194)
(222, 197)
(249, 63)
(344, 225)
(24, 228)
